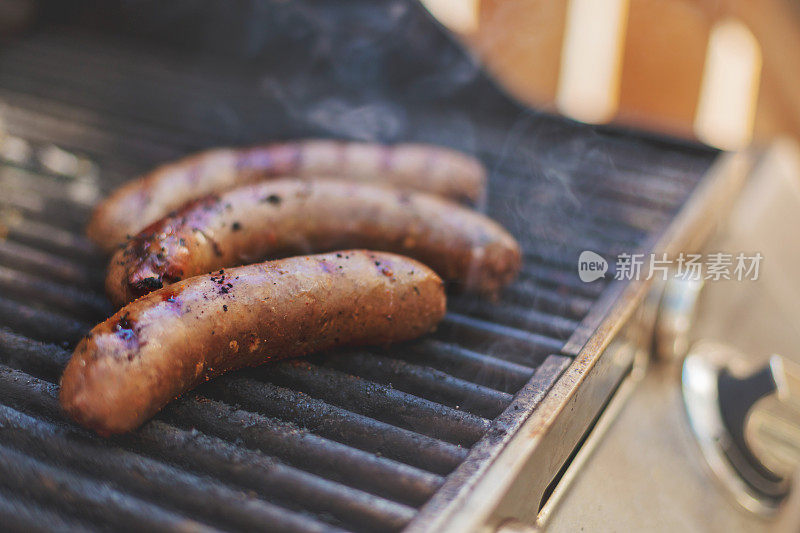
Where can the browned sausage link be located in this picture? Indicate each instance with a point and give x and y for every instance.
(162, 345)
(285, 217)
(428, 168)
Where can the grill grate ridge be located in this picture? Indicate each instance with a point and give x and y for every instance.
(339, 424)
(425, 382)
(188, 492)
(376, 401)
(97, 501)
(24, 392)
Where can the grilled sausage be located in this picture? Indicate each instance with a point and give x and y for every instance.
(413, 166)
(166, 343)
(286, 217)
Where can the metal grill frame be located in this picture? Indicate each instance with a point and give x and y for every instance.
(378, 501)
(522, 471)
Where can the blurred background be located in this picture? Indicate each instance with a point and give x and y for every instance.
(723, 72)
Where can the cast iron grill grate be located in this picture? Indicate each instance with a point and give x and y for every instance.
(355, 440)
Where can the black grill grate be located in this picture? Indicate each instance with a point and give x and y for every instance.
(357, 440)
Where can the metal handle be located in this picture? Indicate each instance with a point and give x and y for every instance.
(772, 429)
(748, 427)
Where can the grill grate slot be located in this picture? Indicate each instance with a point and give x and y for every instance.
(25, 392)
(492, 372)
(153, 482)
(81, 304)
(425, 382)
(96, 501)
(186, 492)
(549, 300)
(49, 266)
(514, 344)
(44, 325)
(518, 317)
(377, 401)
(23, 514)
(339, 424)
(41, 358)
(545, 275)
(305, 450)
(50, 188)
(53, 240)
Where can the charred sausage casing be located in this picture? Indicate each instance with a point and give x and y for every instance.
(169, 341)
(285, 217)
(434, 169)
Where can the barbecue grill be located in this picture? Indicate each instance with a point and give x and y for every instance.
(377, 439)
